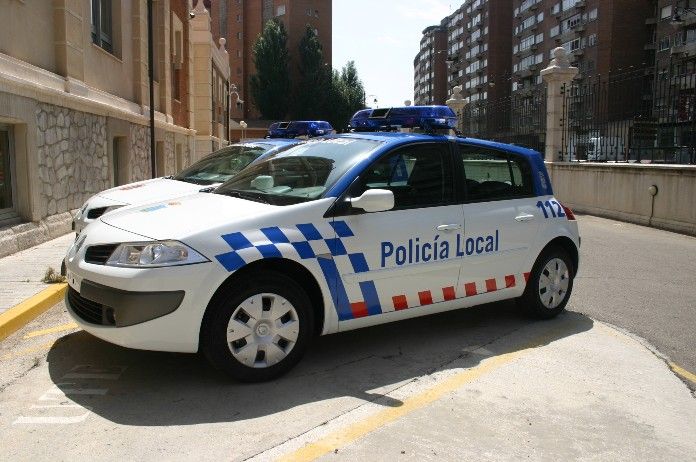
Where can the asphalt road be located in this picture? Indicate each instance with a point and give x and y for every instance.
(480, 384)
(642, 280)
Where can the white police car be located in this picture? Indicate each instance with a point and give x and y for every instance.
(212, 170)
(338, 233)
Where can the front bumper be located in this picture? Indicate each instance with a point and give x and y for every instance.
(151, 309)
(106, 306)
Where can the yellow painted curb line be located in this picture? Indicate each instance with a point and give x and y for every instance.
(683, 372)
(20, 315)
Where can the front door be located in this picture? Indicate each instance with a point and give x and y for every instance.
(501, 220)
(405, 258)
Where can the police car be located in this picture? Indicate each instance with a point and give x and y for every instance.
(338, 233)
(299, 128)
(212, 170)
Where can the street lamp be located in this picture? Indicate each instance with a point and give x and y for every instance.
(244, 126)
(374, 101)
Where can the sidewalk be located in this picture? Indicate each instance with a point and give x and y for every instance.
(21, 273)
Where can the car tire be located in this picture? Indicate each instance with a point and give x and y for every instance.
(258, 328)
(550, 284)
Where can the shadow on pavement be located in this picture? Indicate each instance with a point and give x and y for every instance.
(160, 389)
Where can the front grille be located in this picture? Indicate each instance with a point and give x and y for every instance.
(96, 212)
(89, 311)
(99, 254)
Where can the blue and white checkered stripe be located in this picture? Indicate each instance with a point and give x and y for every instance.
(308, 242)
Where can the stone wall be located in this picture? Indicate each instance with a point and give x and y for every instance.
(169, 154)
(139, 152)
(72, 157)
(621, 191)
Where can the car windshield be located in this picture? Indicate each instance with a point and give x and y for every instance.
(223, 164)
(300, 174)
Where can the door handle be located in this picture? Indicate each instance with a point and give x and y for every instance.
(524, 217)
(450, 227)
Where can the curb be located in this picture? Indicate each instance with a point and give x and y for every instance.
(20, 315)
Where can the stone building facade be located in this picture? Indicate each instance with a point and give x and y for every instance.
(74, 104)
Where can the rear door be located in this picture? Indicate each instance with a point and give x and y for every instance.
(501, 220)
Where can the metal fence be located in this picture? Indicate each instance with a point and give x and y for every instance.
(635, 116)
(519, 119)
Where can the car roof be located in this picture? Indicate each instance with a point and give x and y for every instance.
(395, 139)
(273, 141)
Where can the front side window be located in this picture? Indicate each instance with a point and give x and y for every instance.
(494, 175)
(101, 25)
(301, 174)
(418, 176)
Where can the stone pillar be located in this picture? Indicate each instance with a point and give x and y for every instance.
(202, 43)
(69, 53)
(457, 103)
(558, 74)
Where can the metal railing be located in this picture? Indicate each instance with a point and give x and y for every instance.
(519, 119)
(634, 116)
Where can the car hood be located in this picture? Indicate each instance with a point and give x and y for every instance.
(144, 192)
(185, 216)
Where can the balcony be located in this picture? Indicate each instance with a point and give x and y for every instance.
(651, 21)
(523, 73)
(684, 82)
(580, 5)
(685, 50)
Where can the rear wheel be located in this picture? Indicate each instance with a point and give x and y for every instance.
(550, 284)
(258, 329)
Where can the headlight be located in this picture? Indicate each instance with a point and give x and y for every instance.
(154, 254)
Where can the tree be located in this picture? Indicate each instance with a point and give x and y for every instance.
(353, 90)
(270, 87)
(315, 76)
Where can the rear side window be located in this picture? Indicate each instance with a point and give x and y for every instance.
(491, 175)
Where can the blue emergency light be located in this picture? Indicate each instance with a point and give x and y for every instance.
(428, 118)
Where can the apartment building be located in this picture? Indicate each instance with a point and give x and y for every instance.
(471, 48)
(430, 67)
(602, 36)
(74, 103)
(242, 21)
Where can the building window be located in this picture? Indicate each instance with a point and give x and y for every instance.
(280, 10)
(239, 35)
(239, 18)
(666, 12)
(101, 25)
(592, 40)
(309, 12)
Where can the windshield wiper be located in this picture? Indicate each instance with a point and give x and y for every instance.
(244, 195)
(207, 190)
(193, 181)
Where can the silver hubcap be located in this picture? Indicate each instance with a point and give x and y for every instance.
(263, 330)
(553, 283)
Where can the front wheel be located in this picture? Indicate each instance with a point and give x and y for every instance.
(259, 328)
(550, 284)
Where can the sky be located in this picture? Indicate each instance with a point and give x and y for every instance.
(383, 37)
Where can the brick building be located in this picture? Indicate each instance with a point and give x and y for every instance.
(242, 21)
(471, 47)
(603, 36)
(430, 67)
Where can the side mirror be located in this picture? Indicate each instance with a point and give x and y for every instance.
(374, 200)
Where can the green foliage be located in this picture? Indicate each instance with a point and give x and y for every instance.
(321, 93)
(270, 87)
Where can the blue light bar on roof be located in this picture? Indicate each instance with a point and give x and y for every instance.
(390, 119)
